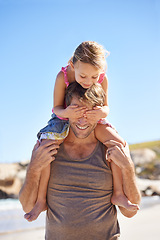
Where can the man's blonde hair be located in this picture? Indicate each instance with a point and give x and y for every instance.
(95, 95)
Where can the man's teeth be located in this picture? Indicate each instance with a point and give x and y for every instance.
(82, 127)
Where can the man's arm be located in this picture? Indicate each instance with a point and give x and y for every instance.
(130, 189)
(120, 155)
(42, 156)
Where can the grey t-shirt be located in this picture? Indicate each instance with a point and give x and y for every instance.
(79, 198)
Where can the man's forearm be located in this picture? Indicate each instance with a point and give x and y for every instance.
(29, 192)
(120, 155)
(42, 156)
(130, 189)
(129, 185)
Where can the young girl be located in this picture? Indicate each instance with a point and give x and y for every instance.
(87, 66)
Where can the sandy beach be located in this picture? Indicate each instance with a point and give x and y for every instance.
(143, 226)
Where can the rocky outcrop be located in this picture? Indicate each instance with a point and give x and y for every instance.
(11, 179)
(149, 187)
(147, 167)
(147, 163)
(143, 156)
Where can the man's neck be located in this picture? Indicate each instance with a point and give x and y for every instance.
(78, 148)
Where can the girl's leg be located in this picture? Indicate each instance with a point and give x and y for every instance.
(118, 197)
(105, 133)
(41, 199)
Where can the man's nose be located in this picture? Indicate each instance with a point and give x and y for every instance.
(82, 120)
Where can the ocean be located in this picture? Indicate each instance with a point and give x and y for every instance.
(11, 215)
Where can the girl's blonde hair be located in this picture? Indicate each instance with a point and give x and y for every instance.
(91, 52)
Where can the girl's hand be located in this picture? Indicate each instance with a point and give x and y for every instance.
(96, 114)
(75, 111)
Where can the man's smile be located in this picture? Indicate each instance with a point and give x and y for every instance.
(82, 127)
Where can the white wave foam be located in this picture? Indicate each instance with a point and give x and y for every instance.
(7, 204)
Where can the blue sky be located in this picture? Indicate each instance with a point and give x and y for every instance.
(37, 38)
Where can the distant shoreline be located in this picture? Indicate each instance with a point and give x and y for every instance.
(21, 230)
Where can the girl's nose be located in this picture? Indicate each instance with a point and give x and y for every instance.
(88, 81)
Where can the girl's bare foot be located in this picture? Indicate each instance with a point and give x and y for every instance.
(34, 213)
(122, 201)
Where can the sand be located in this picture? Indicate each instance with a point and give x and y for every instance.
(34, 234)
(143, 226)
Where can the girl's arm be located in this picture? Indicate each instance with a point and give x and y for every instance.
(100, 112)
(59, 95)
(104, 84)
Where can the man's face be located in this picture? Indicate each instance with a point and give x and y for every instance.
(81, 127)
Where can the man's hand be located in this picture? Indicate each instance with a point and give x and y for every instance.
(119, 154)
(43, 155)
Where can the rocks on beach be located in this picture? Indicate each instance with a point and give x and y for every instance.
(11, 179)
(143, 156)
(147, 167)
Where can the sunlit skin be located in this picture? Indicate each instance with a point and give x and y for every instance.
(86, 74)
(81, 127)
(83, 120)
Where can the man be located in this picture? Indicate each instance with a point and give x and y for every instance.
(80, 185)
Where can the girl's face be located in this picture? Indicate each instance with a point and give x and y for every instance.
(86, 74)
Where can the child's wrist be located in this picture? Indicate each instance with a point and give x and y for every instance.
(65, 112)
(104, 114)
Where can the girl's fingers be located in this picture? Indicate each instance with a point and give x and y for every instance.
(80, 108)
(80, 111)
(73, 106)
(97, 108)
(90, 111)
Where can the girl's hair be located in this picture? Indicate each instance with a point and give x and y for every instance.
(94, 95)
(91, 52)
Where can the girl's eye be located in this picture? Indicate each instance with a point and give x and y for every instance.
(82, 76)
(95, 77)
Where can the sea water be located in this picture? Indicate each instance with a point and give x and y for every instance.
(12, 217)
